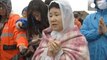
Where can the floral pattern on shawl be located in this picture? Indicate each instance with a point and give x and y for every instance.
(73, 43)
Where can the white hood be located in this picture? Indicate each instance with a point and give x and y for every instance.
(67, 14)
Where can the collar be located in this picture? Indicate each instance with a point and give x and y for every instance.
(102, 12)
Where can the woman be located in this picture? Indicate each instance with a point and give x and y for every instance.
(94, 28)
(37, 17)
(62, 40)
(37, 20)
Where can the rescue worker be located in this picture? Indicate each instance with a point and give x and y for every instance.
(12, 40)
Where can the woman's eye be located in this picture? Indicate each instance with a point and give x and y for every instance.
(50, 16)
(57, 15)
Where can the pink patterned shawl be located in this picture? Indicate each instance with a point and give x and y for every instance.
(73, 43)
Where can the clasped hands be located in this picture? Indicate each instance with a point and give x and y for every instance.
(102, 27)
(53, 47)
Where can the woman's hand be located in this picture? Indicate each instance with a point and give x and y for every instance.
(22, 49)
(35, 40)
(53, 47)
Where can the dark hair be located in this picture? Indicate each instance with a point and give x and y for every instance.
(48, 1)
(54, 4)
(36, 27)
(76, 15)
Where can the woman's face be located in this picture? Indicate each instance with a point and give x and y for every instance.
(55, 19)
(2, 10)
(37, 15)
(24, 14)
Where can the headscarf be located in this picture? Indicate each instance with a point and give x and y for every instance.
(67, 18)
(66, 13)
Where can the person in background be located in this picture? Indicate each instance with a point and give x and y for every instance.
(12, 40)
(94, 28)
(21, 24)
(24, 13)
(62, 40)
(77, 20)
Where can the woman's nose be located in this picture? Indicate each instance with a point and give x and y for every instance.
(53, 18)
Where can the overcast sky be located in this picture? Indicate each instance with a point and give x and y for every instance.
(77, 5)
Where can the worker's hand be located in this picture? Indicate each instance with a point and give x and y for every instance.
(22, 49)
(30, 51)
(19, 24)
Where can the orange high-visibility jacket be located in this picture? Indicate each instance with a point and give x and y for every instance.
(11, 38)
